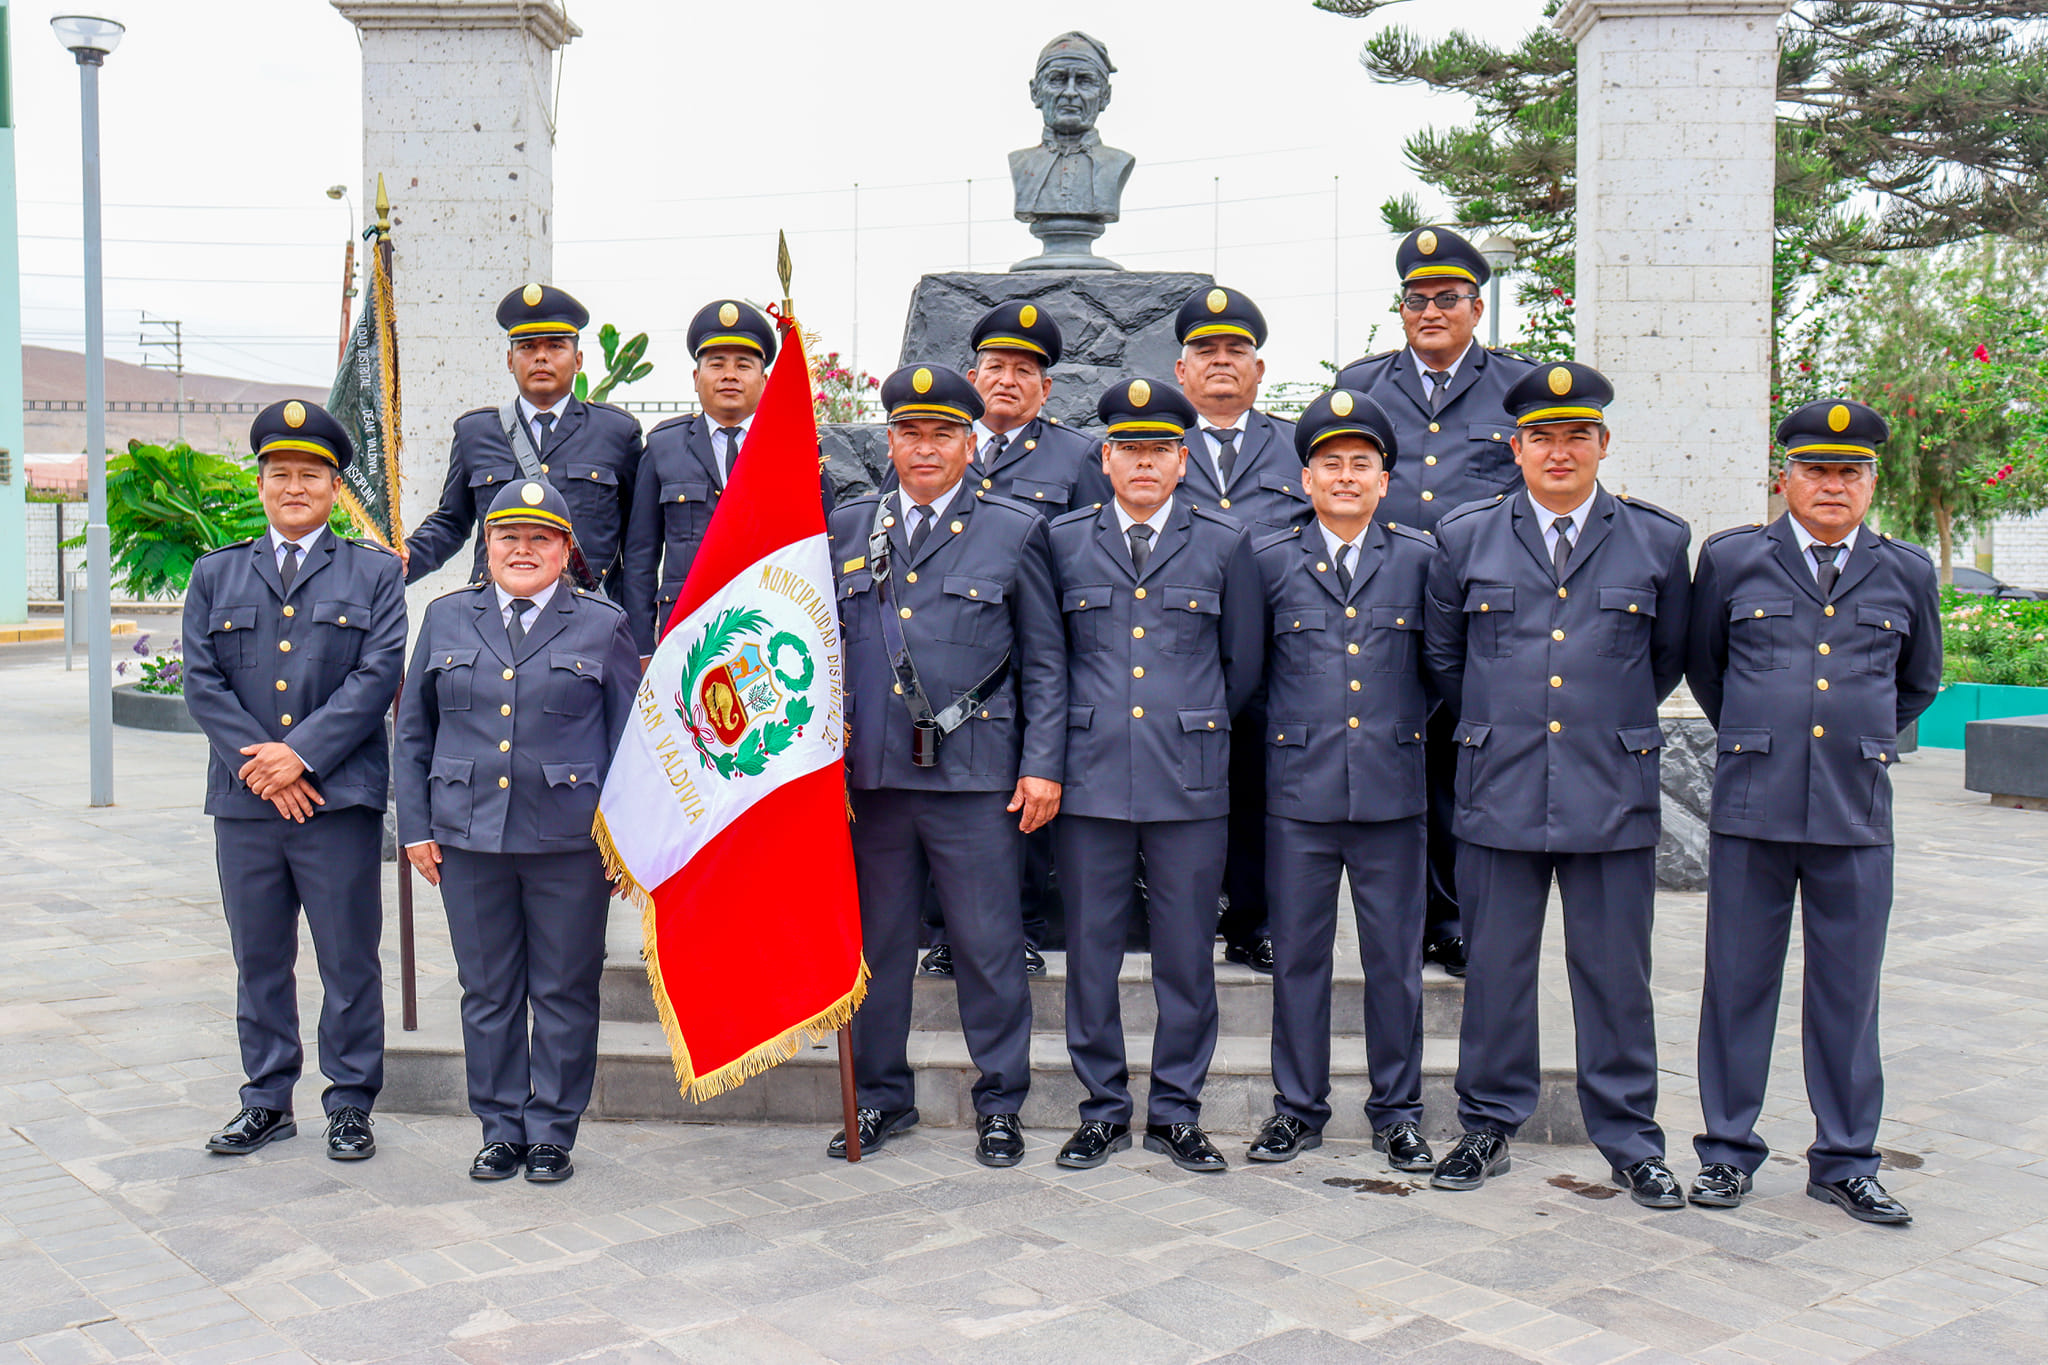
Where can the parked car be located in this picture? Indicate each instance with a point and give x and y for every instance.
(1982, 584)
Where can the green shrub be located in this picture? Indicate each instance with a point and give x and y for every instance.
(1985, 640)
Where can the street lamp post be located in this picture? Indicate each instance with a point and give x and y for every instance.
(1499, 253)
(90, 40)
(348, 270)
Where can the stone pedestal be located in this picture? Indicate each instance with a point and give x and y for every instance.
(1676, 174)
(458, 100)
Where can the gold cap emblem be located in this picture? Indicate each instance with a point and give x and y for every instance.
(532, 494)
(531, 294)
(728, 314)
(1838, 418)
(1141, 393)
(1340, 403)
(295, 414)
(1027, 316)
(1218, 300)
(1426, 243)
(922, 380)
(1560, 380)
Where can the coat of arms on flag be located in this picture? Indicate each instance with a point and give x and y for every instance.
(744, 694)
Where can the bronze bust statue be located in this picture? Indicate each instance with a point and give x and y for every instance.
(1069, 185)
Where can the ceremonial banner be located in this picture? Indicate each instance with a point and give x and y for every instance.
(364, 400)
(725, 808)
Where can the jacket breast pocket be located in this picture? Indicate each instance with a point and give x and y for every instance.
(572, 799)
(1489, 459)
(1490, 620)
(974, 612)
(450, 796)
(1395, 633)
(1645, 745)
(575, 684)
(1758, 630)
(452, 674)
(1882, 632)
(338, 630)
(232, 631)
(1192, 616)
(858, 603)
(486, 480)
(1470, 737)
(1625, 615)
(1299, 636)
(1088, 617)
(1042, 492)
(685, 508)
(1205, 748)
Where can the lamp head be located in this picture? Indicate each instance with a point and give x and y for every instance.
(1498, 252)
(86, 37)
(336, 191)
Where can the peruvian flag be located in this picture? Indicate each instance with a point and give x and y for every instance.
(725, 807)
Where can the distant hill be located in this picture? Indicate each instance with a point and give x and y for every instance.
(55, 375)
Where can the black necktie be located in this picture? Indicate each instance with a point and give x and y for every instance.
(1141, 546)
(288, 569)
(732, 447)
(1439, 382)
(1561, 553)
(515, 625)
(1226, 455)
(921, 518)
(1344, 553)
(1824, 556)
(993, 451)
(546, 422)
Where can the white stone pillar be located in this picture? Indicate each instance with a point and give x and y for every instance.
(1676, 178)
(458, 116)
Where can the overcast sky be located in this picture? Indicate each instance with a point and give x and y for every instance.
(689, 132)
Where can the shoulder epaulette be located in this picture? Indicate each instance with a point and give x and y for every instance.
(370, 544)
(683, 419)
(1632, 501)
(1267, 542)
(223, 549)
(1412, 532)
(478, 412)
(612, 408)
(1728, 531)
(1512, 354)
(1919, 550)
(1221, 519)
(589, 596)
(1088, 513)
(1009, 505)
(1468, 508)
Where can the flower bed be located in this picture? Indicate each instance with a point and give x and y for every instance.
(1985, 640)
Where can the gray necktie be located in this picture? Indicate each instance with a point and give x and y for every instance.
(732, 447)
(288, 567)
(1824, 556)
(1439, 384)
(546, 422)
(1561, 553)
(921, 518)
(1226, 454)
(1344, 553)
(993, 451)
(1141, 546)
(515, 625)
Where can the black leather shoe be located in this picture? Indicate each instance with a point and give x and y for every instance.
(252, 1128)
(1405, 1149)
(1092, 1143)
(348, 1134)
(1283, 1138)
(545, 1162)
(876, 1126)
(1719, 1186)
(1477, 1156)
(938, 962)
(1447, 953)
(1034, 961)
(1186, 1145)
(1861, 1197)
(498, 1161)
(1000, 1142)
(1650, 1183)
(1257, 955)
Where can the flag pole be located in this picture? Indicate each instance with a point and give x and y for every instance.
(849, 1110)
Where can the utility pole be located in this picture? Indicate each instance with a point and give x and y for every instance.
(171, 338)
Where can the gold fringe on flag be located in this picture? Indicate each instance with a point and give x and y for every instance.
(755, 1060)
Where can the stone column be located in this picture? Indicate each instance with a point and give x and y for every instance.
(1677, 168)
(458, 116)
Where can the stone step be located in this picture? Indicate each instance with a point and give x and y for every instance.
(423, 1073)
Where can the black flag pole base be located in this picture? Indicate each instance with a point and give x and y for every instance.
(849, 1110)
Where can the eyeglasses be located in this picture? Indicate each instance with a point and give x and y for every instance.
(1445, 302)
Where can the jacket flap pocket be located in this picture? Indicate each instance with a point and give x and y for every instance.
(591, 473)
(1288, 734)
(853, 584)
(232, 618)
(1883, 749)
(1407, 617)
(353, 615)
(444, 659)
(1641, 738)
(1745, 741)
(1002, 706)
(1487, 431)
(979, 589)
(448, 768)
(1085, 598)
(1472, 733)
(492, 474)
(1881, 616)
(1407, 732)
(1205, 719)
(1638, 601)
(1080, 717)
(1490, 597)
(1040, 490)
(1301, 618)
(686, 490)
(570, 774)
(570, 662)
(1749, 608)
(1207, 601)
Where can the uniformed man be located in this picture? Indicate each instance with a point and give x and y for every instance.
(1555, 624)
(1814, 643)
(1161, 601)
(590, 451)
(1243, 465)
(688, 460)
(1445, 393)
(294, 643)
(1345, 704)
(519, 689)
(956, 702)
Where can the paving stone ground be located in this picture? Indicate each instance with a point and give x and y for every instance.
(121, 1240)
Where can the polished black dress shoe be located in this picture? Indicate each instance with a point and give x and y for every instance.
(1186, 1145)
(1719, 1186)
(938, 962)
(545, 1163)
(1650, 1183)
(1034, 961)
(1257, 955)
(498, 1161)
(1092, 1143)
(1283, 1138)
(1861, 1197)
(252, 1128)
(876, 1126)
(1447, 953)
(998, 1140)
(1405, 1149)
(348, 1134)
(1477, 1156)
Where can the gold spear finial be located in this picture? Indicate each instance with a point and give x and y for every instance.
(383, 208)
(783, 269)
